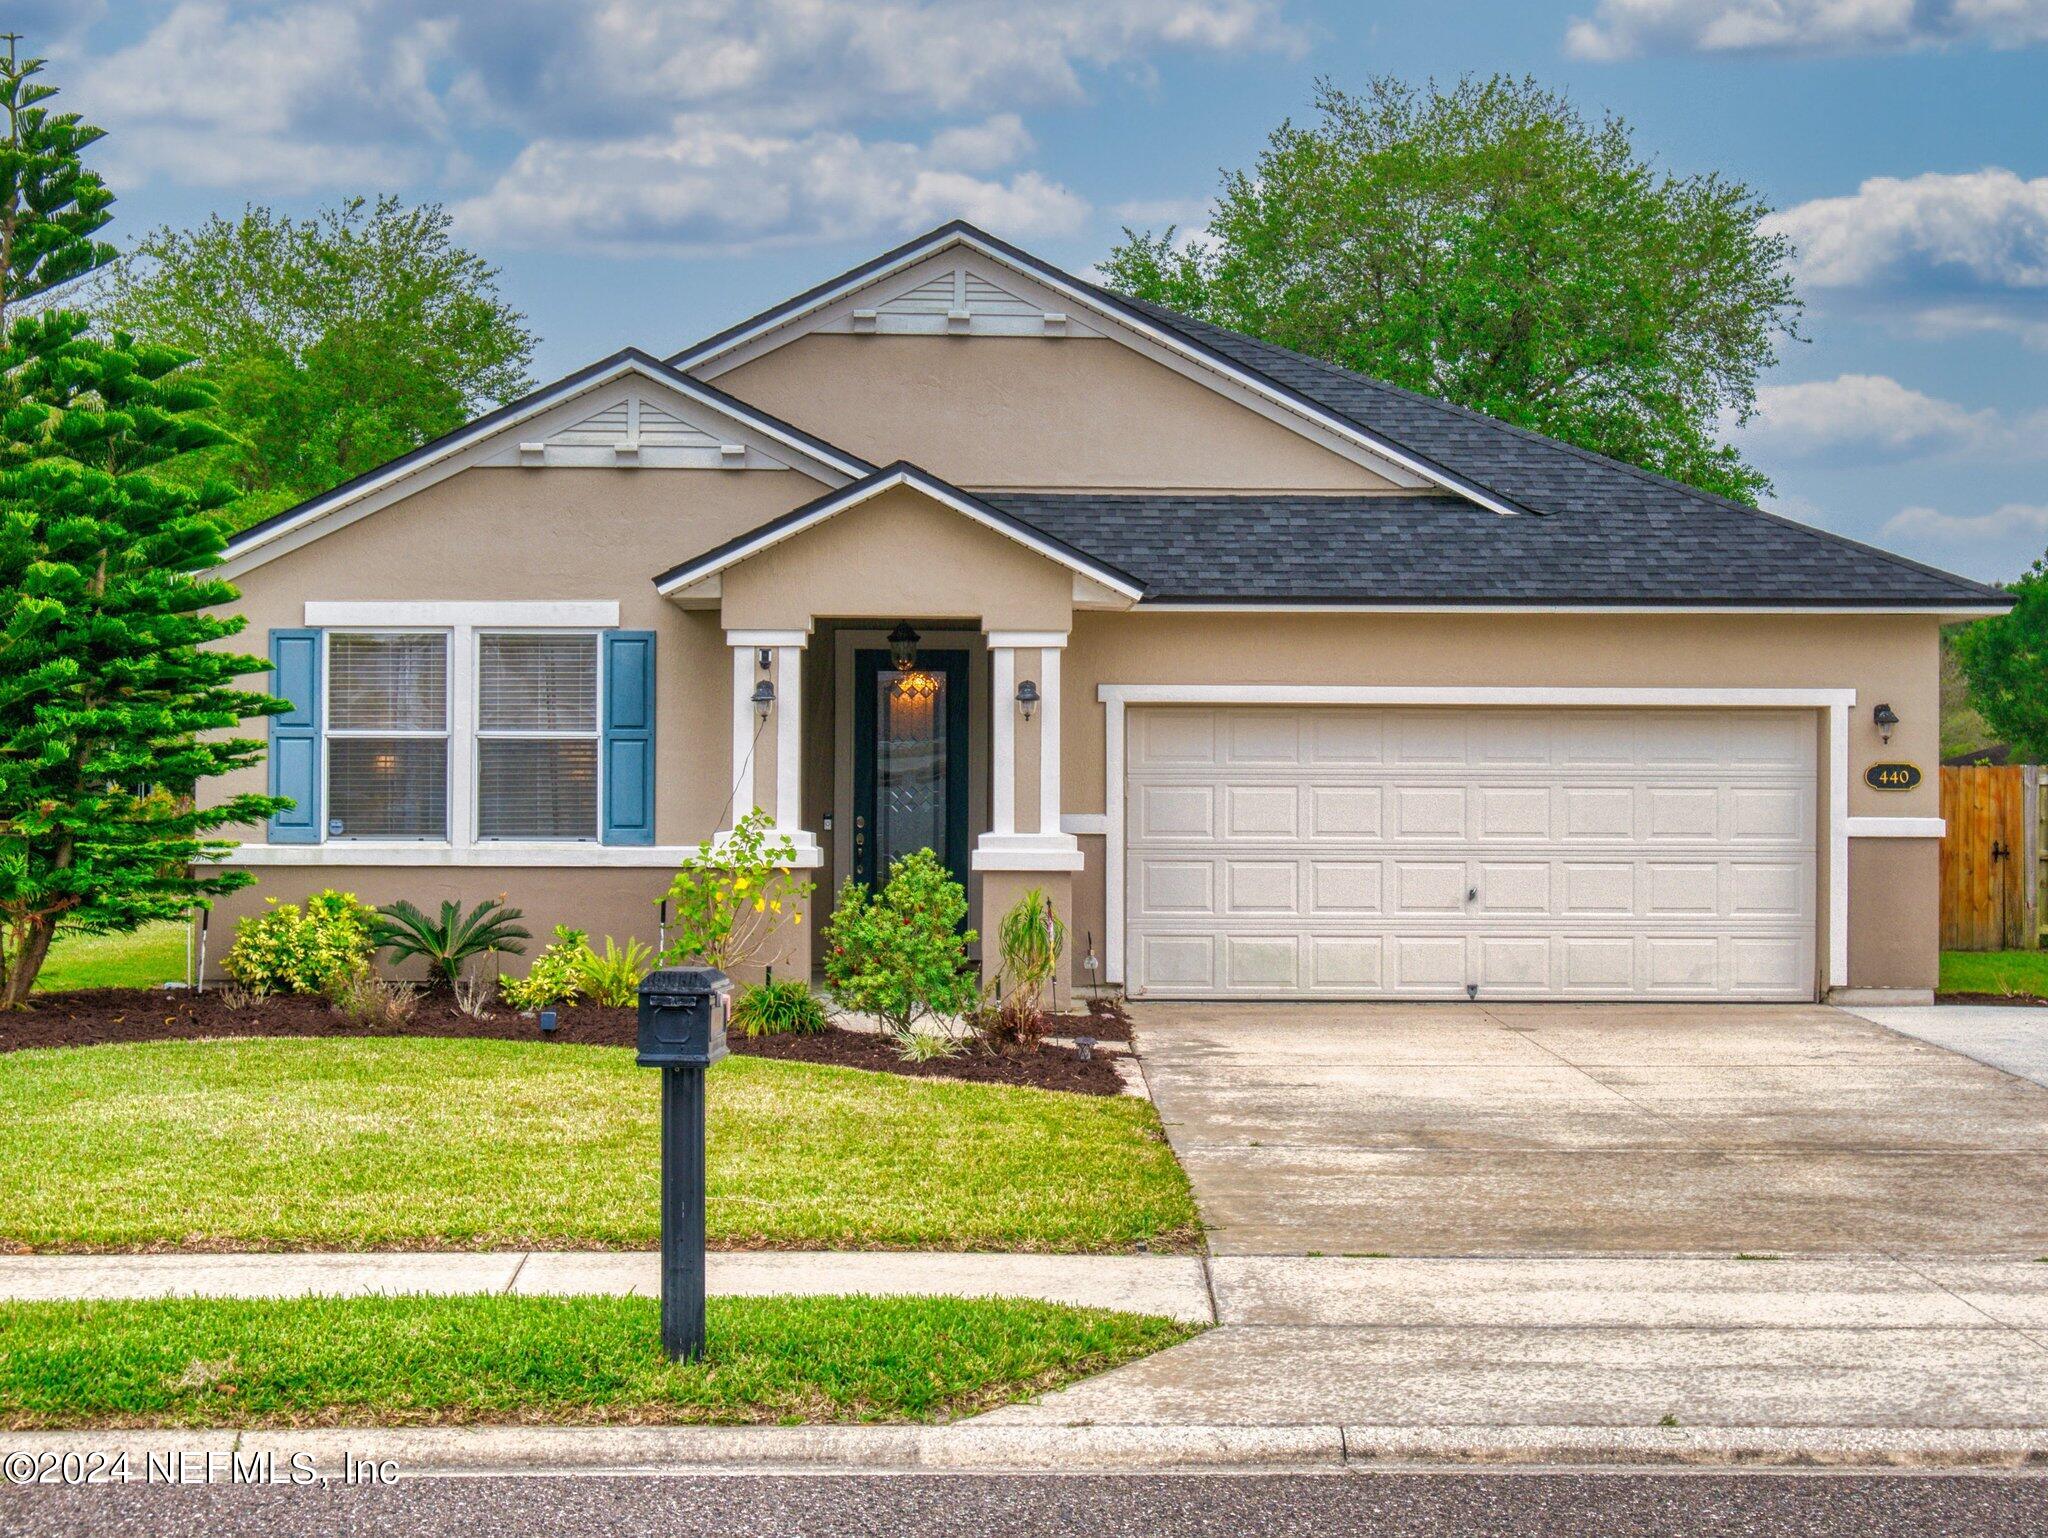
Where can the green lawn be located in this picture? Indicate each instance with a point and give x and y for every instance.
(414, 1143)
(152, 955)
(1995, 972)
(413, 1360)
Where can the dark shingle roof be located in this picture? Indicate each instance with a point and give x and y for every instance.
(1609, 532)
(1438, 549)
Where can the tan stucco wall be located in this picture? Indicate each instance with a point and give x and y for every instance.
(899, 555)
(514, 534)
(1025, 412)
(1894, 912)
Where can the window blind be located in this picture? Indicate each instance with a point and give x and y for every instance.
(537, 745)
(387, 683)
(537, 683)
(387, 787)
(537, 787)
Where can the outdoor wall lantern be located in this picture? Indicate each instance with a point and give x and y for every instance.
(764, 696)
(1027, 698)
(903, 647)
(1886, 718)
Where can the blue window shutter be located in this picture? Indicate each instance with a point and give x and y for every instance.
(295, 735)
(629, 737)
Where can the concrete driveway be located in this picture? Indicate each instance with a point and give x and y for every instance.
(1566, 1129)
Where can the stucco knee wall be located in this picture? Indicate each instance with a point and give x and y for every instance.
(1894, 913)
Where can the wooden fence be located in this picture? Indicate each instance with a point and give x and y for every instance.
(1991, 858)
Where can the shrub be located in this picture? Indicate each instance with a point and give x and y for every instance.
(613, 979)
(727, 901)
(556, 976)
(899, 954)
(1010, 1022)
(451, 939)
(1031, 937)
(293, 949)
(786, 1008)
(367, 1000)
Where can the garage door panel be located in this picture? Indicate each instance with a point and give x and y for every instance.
(1174, 812)
(1429, 811)
(1262, 886)
(1349, 853)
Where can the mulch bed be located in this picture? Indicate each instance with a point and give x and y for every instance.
(98, 1016)
(2032, 999)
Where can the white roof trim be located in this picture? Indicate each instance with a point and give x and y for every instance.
(403, 477)
(852, 496)
(711, 360)
(1925, 611)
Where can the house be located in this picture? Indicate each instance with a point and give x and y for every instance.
(1281, 681)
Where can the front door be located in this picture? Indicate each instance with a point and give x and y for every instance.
(909, 762)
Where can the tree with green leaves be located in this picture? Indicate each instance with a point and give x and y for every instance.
(51, 203)
(2005, 660)
(335, 342)
(1488, 245)
(114, 696)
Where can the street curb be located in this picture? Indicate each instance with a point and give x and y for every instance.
(968, 1446)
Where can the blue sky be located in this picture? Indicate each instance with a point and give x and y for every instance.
(647, 170)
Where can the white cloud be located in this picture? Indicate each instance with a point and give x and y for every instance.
(1948, 322)
(1928, 523)
(1865, 414)
(703, 187)
(1626, 29)
(1988, 227)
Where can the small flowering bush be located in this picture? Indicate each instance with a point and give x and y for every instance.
(900, 954)
(555, 977)
(310, 949)
(727, 902)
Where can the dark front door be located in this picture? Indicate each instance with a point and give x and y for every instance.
(909, 762)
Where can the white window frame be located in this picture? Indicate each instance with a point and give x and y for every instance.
(460, 620)
(329, 733)
(479, 735)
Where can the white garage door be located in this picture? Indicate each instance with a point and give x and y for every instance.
(1359, 853)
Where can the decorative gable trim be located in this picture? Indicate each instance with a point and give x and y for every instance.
(633, 423)
(971, 297)
(821, 307)
(694, 577)
(523, 432)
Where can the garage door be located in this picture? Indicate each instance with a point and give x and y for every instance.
(1360, 853)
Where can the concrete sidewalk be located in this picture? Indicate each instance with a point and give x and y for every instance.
(2012, 1037)
(1173, 1285)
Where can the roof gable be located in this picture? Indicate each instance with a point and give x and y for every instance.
(1087, 309)
(630, 409)
(700, 568)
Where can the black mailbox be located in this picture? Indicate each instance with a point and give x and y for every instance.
(682, 1017)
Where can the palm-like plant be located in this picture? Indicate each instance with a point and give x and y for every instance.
(452, 939)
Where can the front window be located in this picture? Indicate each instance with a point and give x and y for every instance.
(537, 736)
(387, 735)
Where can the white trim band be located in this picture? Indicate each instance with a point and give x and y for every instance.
(768, 638)
(430, 855)
(1037, 640)
(1898, 827)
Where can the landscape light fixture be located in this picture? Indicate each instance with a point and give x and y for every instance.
(1886, 718)
(1027, 698)
(903, 647)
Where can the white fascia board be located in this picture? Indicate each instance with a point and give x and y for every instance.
(1945, 615)
(1485, 694)
(403, 479)
(853, 496)
(568, 614)
(1160, 344)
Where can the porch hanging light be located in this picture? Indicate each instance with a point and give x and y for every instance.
(903, 647)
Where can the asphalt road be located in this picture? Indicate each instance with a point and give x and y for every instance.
(1385, 1505)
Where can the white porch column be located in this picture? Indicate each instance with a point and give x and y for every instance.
(785, 648)
(1003, 847)
(1002, 739)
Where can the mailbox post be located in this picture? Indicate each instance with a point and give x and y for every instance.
(682, 1032)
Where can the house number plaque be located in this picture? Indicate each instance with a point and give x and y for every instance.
(1892, 776)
